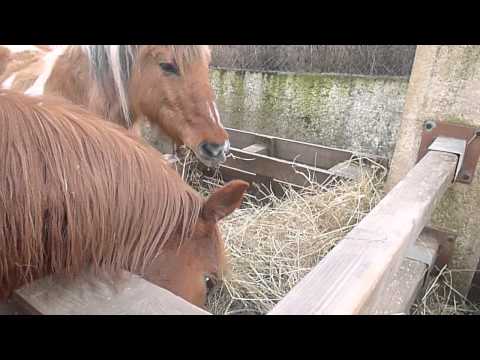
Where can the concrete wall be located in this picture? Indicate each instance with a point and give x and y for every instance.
(351, 112)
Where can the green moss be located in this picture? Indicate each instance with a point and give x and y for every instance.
(238, 85)
(327, 109)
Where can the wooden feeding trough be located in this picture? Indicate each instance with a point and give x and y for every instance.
(271, 161)
(377, 268)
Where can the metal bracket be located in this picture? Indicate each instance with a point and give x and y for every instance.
(425, 253)
(422, 254)
(433, 131)
(446, 244)
(453, 146)
(433, 247)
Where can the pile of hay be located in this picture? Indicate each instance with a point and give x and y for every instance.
(441, 298)
(273, 244)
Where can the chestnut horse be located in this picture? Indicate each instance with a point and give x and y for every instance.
(165, 85)
(77, 192)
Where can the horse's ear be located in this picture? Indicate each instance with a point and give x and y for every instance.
(224, 200)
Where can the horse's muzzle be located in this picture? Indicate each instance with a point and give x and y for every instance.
(212, 154)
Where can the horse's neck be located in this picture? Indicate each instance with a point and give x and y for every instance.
(152, 133)
(4, 58)
(70, 77)
(105, 105)
(141, 127)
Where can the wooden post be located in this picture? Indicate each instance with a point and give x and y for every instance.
(352, 277)
(445, 85)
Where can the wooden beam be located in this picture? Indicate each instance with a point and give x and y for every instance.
(347, 169)
(256, 148)
(352, 276)
(258, 192)
(402, 289)
(279, 169)
(9, 307)
(89, 296)
(290, 150)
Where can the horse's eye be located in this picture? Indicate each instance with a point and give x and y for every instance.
(210, 282)
(169, 68)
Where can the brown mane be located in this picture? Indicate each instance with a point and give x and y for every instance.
(76, 191)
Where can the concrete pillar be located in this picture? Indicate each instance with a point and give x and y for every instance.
(445, 85)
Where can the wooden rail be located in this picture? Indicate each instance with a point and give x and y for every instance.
(376, 269)
(402, 289)
(279, 169)
(354, 275)
(271, 161)
(89, 296)
(319, 156)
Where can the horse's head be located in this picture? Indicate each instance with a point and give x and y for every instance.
(170, 86)
(192, 270)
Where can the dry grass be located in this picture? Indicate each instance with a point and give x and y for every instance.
(441, 298)
(273, 244)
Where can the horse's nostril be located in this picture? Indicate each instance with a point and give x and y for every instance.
(212, 150)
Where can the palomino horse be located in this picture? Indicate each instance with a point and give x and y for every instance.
(166, 85)
(77, 192)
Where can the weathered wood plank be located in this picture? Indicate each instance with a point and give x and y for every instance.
(291, 150)
(279, 169)
(402, 289)
(11, 308)
(88, 296)
(256, 148)
(264, 183)
(347, 169)
(229, 173)
(347, 278)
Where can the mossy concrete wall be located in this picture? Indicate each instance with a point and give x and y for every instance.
(352, 112)
(445, 85)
